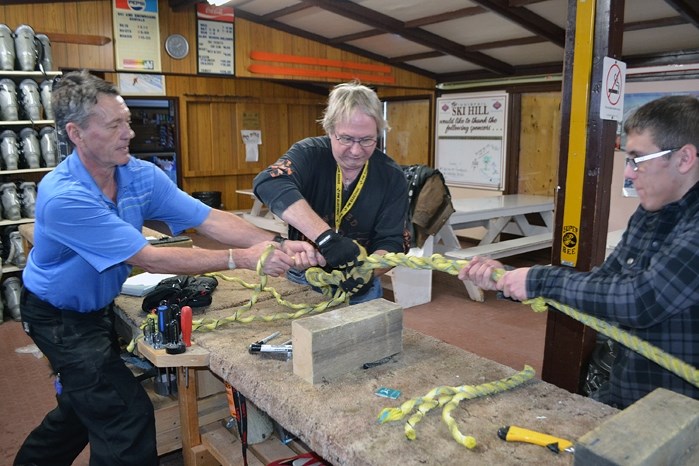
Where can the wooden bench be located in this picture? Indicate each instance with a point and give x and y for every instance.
(510, 247)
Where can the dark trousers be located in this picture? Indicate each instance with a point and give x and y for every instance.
(101, 401)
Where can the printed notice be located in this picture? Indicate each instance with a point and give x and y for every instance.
(215, 39)
(136, 35)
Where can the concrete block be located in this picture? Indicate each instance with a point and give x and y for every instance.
(660, 429)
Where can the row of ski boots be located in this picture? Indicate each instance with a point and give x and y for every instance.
(18, 200)
(11, 290)
(24, 50)
(35, 99)
(29, 149)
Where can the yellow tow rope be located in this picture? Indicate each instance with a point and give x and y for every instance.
(329, 281)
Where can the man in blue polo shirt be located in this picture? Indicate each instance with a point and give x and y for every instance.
(87, 237)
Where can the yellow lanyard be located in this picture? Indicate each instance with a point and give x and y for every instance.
(340, 211)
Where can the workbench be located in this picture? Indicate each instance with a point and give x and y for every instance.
(338, 418)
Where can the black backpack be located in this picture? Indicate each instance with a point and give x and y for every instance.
(181, 290)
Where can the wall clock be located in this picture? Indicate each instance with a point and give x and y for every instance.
(176, 46)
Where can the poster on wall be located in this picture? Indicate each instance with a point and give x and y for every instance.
(215, 39)
(471, 139)
(136, 35)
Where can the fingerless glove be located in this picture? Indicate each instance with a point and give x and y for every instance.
(340, 252)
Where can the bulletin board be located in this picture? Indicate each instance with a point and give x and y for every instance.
(471, 139)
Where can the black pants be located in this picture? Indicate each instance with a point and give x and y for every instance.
(101, 401)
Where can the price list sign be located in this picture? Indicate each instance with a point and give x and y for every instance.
(137, 35)
(215, 39)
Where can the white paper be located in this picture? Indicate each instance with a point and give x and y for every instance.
(251, 138)
(139, 285)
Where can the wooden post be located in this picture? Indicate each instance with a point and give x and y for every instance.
(587, 183)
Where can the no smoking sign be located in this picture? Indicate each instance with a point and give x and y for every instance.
(612, 105)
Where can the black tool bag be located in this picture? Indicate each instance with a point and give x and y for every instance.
(181, 290)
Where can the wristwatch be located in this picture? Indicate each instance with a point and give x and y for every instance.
(176, 46)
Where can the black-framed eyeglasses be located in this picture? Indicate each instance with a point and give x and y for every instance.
(634, 161)
(348, 141)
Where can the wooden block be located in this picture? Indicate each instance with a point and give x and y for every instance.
(194, 356)
(661, 428)
(208, 383)
(340, 341)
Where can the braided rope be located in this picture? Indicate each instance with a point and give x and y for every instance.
(329, 281)
(450, 397)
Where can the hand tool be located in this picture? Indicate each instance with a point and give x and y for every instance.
(519, 434)
(255, 348)
(267, 339)
(186, 325)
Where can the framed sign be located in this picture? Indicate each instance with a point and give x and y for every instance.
(215, 39)
(471, 139)
(136, 35)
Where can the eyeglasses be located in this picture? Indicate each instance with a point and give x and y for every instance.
(634, 161)
(348, 141)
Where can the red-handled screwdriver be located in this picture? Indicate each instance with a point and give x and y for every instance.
(186, 324)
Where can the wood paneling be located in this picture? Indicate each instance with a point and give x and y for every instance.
(408, 143)
(539, 143)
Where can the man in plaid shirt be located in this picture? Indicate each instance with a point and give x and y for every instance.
(649, 285)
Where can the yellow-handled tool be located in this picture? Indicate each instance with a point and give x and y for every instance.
(519, 434)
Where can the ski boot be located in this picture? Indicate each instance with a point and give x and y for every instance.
(9, 109)
(31, 101)
(10, 149)
(44, 52)
(28, 189)
(45, 92)
(7, 49)
(12, 287)
(49, 146)
(25, 47)
(17, 255)
(10, 201)
(30, 147)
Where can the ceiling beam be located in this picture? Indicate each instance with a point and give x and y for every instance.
(655, 23)
(447, 16)
(378, 20)
(526, 19)
(688, 9)
(317, 38)
(285, 11)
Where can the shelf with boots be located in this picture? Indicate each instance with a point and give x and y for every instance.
(28, 150)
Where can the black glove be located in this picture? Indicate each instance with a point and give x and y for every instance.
(339, 252)
(356, 285)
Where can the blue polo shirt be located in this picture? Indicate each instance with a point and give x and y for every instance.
(82, 238)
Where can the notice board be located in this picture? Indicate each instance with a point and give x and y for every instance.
(471, 139)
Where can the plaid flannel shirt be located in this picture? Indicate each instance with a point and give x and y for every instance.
(649, 286)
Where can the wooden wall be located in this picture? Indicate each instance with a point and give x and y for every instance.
(212, 108)
(539, 143)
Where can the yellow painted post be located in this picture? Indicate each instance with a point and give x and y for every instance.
(577, 139)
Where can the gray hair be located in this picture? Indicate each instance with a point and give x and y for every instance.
(73, 97)
(346, 98)
(672, 121)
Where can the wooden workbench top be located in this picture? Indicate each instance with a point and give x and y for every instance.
(338, 418)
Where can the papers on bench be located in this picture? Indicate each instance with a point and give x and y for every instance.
(139, 285)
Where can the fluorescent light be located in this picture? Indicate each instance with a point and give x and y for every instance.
(217, 2)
